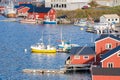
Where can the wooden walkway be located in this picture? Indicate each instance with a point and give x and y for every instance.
(43, 71)
(63, 70)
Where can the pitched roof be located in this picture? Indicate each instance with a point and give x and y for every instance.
(40, 9)
(106, 71)
(107, 35)
(25, 5)
(111, 16)
(82, 51)
(110, 52)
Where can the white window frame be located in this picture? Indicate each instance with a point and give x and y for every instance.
(76, 56)
(111, 63)
(107, 46)
(84, 57)
(118, 54)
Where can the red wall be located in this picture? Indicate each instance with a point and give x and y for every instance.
(114, 59)
(23, 10)
(100, 46)
(102, 77)
(81, 60)
(51, 14)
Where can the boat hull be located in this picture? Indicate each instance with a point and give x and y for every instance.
(11, 15)
(43, 51)
(28, 21)
(49, 22)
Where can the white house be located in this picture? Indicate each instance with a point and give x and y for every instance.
(66, 4)
(110, 18)
(110, 3)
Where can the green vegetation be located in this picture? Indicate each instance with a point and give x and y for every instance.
(93, 12)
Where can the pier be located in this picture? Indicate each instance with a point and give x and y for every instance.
(65, 69)
(43, 71)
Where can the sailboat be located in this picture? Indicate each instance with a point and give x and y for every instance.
(42, 48)
(65, 46)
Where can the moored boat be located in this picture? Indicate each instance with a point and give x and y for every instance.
(41, 48)
(29, 21)
(10, 11)
(81, 23)
(48, 21)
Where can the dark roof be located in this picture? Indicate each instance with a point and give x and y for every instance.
(110, 52)
(25, 5)
(40, 9)
(107, 35)
(63, 16)
(106, 71)
(82, 51)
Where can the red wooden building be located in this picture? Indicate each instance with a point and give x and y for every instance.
(22, 11)
(111, 59)
(110, 66)
(105, 73)
(42, 13)
(82, 56)
(105, 43)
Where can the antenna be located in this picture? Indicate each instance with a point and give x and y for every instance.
(82, 49)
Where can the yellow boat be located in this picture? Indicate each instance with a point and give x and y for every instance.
(40, 48)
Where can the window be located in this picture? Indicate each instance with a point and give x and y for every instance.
(112, 19)
(101, 55)
(110, 65)
(116, 19)
(86, 57)
(118, 54)
(108, 19)
(51, 5)
(108, 46)
(76, 57)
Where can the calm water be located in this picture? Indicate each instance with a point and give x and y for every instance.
(15, 37)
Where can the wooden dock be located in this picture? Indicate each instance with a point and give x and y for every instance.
(43, 71)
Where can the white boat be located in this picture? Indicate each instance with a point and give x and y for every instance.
(48, 21)
(41, 48)
(81, 23)
(65, 46)
(29, 21)
(10, 11)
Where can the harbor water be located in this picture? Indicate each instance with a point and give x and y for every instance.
(15, 54)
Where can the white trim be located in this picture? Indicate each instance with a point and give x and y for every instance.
(106, 46)
(118, 54)
(110, 56)
(106, 38)
(76, 56)
(110, 63)
(86, 56)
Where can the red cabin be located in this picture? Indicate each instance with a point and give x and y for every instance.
(82, 56)
(42, 13)
(105, 43)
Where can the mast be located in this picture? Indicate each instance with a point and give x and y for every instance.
(49, 39)
(42, 37)
(61, 34)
